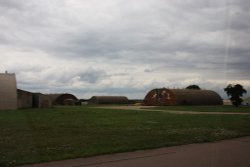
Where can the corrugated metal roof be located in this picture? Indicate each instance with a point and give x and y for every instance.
(197, 97)
(62, 99)
(108, 100)
(165, 96)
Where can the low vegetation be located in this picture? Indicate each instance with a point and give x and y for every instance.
(40, 135)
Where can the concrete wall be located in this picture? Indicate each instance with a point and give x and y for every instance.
(42, 101)
(8, 91)
(33, 100)
(24, 99)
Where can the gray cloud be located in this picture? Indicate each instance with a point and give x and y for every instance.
(124, 46)
(92, 76)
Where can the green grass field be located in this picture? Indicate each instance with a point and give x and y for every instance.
(222, 108)
(40, 135)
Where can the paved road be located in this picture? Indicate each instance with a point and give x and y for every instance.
(227, 153)
(148, 108)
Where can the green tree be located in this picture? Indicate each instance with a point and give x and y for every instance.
(235, 92)
(193, 87)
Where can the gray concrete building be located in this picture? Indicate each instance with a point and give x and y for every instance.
(24, 99)
(8, 91)
(41, 101)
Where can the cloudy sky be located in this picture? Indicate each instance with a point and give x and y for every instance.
(125, 47)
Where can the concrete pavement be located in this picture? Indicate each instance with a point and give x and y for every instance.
(227, 153)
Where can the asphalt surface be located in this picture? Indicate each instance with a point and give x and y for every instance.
(226, 153)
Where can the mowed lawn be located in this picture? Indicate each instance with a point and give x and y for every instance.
(39, 135)
(220, 108)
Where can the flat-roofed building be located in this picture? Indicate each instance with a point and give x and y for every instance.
(8, 91)
(24, 99)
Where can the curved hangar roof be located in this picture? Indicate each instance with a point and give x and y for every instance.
(108, 100)
(63, 99)
(165, 96)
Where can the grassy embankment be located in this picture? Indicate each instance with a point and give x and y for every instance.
(39, 135)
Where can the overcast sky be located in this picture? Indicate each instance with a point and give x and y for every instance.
(125, 47)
